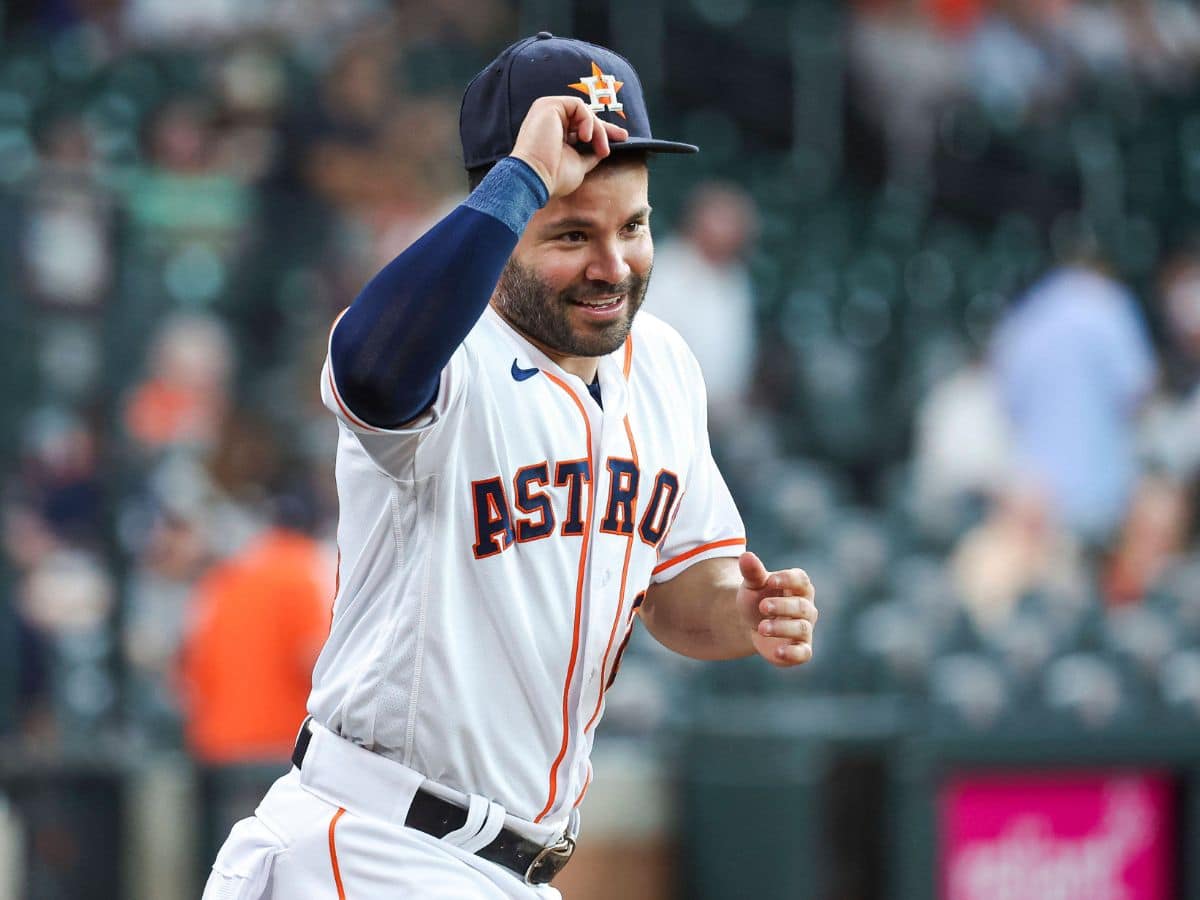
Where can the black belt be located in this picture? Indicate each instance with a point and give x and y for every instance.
(536, 863)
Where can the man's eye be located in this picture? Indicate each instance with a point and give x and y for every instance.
(574, 237)
(635, 227)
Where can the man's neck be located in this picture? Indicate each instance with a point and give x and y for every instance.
(583, 366)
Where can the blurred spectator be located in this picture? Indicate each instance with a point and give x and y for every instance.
(1029, 56)
(184, 398)
(1155, 40)
(1170, 430)
(258, 621)
(67, 241)
(371, 151)
(963, 447)
(1018, 549)
(951, 17)
(1073, 362)
(701, 287)
(1179, 298)
(27, 542)
(60, 479)
(1153, 538)
(252, 85)
(255, 625)
(904, 72)
(175, 554)
(156, 21)
(54, 524)
(340, 130)
(68, 600)
(196, 508)
(184, 195)
(161, 22)
(63, 590)
(1021, 65)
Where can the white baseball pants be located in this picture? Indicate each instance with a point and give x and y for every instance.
(336, 830)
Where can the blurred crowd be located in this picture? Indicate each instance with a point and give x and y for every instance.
(961, 386)
(1016, 61)
(194, 194)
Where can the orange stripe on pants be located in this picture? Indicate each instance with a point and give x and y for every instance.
(337, 872)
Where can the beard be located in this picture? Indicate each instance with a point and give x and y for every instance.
(539, 312)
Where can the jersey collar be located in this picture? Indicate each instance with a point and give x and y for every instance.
(610, 368)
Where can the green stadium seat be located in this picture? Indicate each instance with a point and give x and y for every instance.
(874, 271)
(967, 691)
(1179, 683)
(860, 546)
(1141, 636)
(1088, 690)
(896, 647)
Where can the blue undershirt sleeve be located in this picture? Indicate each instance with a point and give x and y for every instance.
(388, 350)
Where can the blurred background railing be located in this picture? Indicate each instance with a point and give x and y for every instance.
(939, 260)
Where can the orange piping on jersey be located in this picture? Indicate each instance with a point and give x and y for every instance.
(620, 603)
(728, 542)
(337, 588)
(337, 872)
(628, 360)
(333, 384)
(579, 584)
(612, 676)
(337, 319)
(587, 783)
(342, 406)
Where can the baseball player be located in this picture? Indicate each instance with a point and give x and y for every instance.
(523, 468)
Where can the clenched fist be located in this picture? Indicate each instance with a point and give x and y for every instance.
(779, 609)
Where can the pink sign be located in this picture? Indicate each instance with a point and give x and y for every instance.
(1066, 835)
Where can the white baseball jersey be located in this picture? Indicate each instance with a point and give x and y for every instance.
(493, 553)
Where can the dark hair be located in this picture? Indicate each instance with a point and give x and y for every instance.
(478, 173)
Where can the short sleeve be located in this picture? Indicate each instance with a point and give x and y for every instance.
(707, 524)
(392, 450)
(450, 388)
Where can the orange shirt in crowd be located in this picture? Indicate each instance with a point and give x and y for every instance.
(258, 621)
(953, 17)
(160, 414)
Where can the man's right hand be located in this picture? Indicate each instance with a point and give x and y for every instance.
(547, 141)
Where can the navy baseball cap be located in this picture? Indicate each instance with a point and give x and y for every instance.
(497, 99)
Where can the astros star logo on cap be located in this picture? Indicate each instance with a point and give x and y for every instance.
(601, 90)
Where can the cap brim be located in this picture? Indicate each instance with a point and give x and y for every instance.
(653, 145)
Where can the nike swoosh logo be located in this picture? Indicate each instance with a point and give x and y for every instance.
(520, 374)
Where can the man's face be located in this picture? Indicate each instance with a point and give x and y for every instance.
(580, 271)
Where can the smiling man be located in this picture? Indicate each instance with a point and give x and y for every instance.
(570, 301)
(523, 469)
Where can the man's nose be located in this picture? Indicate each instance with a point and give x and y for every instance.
(607, 263)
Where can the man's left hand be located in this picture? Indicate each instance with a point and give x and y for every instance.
(779, 610)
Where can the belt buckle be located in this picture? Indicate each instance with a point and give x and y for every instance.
(550, 861)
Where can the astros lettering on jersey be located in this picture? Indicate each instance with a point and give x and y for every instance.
(494, 553)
